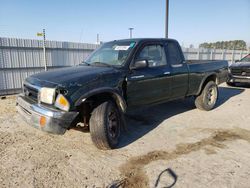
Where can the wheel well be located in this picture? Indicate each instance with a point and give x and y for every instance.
(100, 98)
(212, 77)
(95, 100)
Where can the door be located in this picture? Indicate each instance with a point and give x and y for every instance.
(179, 70)
(150, 84)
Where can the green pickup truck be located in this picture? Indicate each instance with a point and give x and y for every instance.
(119, 75)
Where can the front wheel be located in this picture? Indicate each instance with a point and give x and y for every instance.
(105, 125)
(208, 97)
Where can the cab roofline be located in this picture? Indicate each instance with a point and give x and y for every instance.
(143, 39)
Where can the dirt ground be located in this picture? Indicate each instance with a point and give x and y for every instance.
(168, 144)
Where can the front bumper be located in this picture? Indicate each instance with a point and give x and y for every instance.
(54, 121)
(238, 79)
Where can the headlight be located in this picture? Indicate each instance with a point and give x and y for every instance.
(47, 95)
(62, 103)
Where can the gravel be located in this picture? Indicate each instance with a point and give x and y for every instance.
(172, 143)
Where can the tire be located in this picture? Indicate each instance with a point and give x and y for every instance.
(208, 97)
(105, 126)
(232, 84)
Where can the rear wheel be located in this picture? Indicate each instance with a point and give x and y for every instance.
(208, 97)
(105, 125)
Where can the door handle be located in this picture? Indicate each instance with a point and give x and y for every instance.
(177, 65)
(166, 73)
(141, 76)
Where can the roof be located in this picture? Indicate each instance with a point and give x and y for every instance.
(144, 39)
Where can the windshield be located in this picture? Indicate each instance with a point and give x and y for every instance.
(246, 58)
(111, 53)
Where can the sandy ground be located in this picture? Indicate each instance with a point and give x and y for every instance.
(167, 144)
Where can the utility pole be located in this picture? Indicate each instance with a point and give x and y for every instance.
(44, 46)
(131, 32)
(97, 39)
(44, 52)
(166, 19)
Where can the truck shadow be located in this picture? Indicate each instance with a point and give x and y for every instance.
(242, 85)
(141, 121)
(225, 93)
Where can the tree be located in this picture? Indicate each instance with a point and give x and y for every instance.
(230, 45)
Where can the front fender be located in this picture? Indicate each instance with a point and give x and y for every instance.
(115, 93)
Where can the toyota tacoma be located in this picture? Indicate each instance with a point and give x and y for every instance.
(119, 75)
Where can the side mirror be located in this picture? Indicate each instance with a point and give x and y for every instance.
(139, 64)
(236, 61)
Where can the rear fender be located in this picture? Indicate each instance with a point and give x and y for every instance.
(208, 77)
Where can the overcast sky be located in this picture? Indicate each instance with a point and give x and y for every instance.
(191, 21)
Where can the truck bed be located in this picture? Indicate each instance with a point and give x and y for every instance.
(200, 69)
(204, 61)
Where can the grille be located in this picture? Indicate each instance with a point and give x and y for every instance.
(240, 71)
(30, 92)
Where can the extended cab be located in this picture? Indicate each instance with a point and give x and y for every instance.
(119, 75)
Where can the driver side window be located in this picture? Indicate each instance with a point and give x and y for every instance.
(154, 54)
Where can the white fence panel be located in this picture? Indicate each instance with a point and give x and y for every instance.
(20, 58)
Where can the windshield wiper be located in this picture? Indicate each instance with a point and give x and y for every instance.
(84, 63)
(101, 63)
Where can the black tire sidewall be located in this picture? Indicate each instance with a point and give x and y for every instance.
(99, 128)
(111, 106)
(204, 95)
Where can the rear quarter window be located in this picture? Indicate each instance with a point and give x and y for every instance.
(174, 54)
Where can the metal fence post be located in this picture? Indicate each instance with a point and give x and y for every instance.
(211, 54)
(44, 52)
(222, 54)
(198, 54)
(232, 59)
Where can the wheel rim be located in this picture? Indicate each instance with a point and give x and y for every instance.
(211, 95)
(113, 124)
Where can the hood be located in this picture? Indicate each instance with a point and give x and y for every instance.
(66, 77)
(240, 64)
